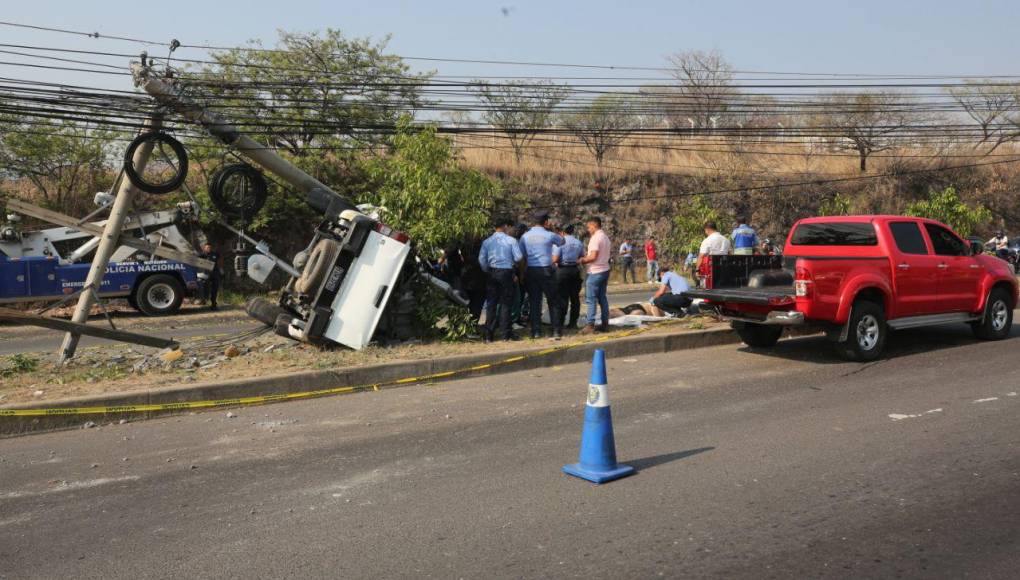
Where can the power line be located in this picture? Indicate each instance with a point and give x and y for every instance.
(664, 69)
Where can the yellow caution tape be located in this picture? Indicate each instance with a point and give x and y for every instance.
(186, 405)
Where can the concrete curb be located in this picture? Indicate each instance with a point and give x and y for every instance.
(324, 379)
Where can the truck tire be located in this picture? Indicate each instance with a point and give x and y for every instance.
(263, 310)
(159, 295)
(759, 335)
(998, 319)
(320, 261)
(868, 332)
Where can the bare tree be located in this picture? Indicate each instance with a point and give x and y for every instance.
(988, 104)
(603, 124)
(863, 122)
(704, 89)
(520, 110)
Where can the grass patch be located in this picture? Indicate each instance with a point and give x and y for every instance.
(18, 364)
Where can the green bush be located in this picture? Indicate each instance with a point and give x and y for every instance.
(19, 364)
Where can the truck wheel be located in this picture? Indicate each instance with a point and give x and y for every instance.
(759, 335)
(263, 310)
(320, 261)
(868, 331)
(998, 317)
(159, 295)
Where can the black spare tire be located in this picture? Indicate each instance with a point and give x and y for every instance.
(320, 261)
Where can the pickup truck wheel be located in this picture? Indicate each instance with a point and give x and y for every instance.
(319, 263)
(998, 317)
(868, 331)
(159, 295)
(759, 335)
(263, 310)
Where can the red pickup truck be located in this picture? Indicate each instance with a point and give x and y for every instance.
(857, 278)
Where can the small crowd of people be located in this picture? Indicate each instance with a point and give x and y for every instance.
(520, 270)
(544, 262)
(542, 265)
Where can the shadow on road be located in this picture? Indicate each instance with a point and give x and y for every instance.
(646, 462)
(900, 343)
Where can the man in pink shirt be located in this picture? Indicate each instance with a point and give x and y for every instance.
(597, 261)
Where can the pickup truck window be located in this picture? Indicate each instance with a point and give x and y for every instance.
(945, 242)
(835, 234)
(908, 238)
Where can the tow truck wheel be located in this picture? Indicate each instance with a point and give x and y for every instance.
(759, 335)
(867, 333)
(159, 295)
(998, 317)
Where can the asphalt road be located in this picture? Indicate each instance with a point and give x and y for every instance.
(779, 464)
(185, 326)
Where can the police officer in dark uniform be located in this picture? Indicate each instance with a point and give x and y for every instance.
(211, 288)
(498, 258)
(568, 276)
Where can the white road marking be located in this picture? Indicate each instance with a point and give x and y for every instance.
(900, 417)
(69, 486)
(989, 399)
(1013, 394)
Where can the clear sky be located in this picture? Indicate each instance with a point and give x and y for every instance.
(888, 36)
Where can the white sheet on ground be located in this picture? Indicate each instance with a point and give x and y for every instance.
(635, 319)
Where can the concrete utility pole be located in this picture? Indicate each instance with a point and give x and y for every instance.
(317, 194)
(108, 244)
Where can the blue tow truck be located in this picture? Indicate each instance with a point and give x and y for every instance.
(34, 269)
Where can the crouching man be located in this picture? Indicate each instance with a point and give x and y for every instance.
(669, 297)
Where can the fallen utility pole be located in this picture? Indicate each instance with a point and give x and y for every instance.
(108, 243)
(26, 318)
(317, 194)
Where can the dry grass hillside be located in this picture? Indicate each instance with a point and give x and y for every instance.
(640, 187)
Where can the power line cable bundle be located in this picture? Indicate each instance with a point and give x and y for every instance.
(761, 107)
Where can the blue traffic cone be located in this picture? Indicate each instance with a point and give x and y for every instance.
(597, 460)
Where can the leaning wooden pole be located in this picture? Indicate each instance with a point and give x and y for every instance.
(108, 243)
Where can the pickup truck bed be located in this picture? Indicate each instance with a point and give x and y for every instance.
(762, 296)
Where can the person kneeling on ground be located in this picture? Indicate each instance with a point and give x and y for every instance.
(670, 296)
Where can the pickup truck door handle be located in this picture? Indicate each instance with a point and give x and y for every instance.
(903, 266)
(943, 266)
(379, 297)
(975, 266)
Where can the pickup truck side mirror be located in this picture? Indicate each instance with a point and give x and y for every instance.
(977, 248)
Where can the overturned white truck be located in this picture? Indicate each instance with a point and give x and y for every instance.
(355, 278)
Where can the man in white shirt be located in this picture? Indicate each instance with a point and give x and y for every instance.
(670, 297)
(1000, 243)
(714, 244)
